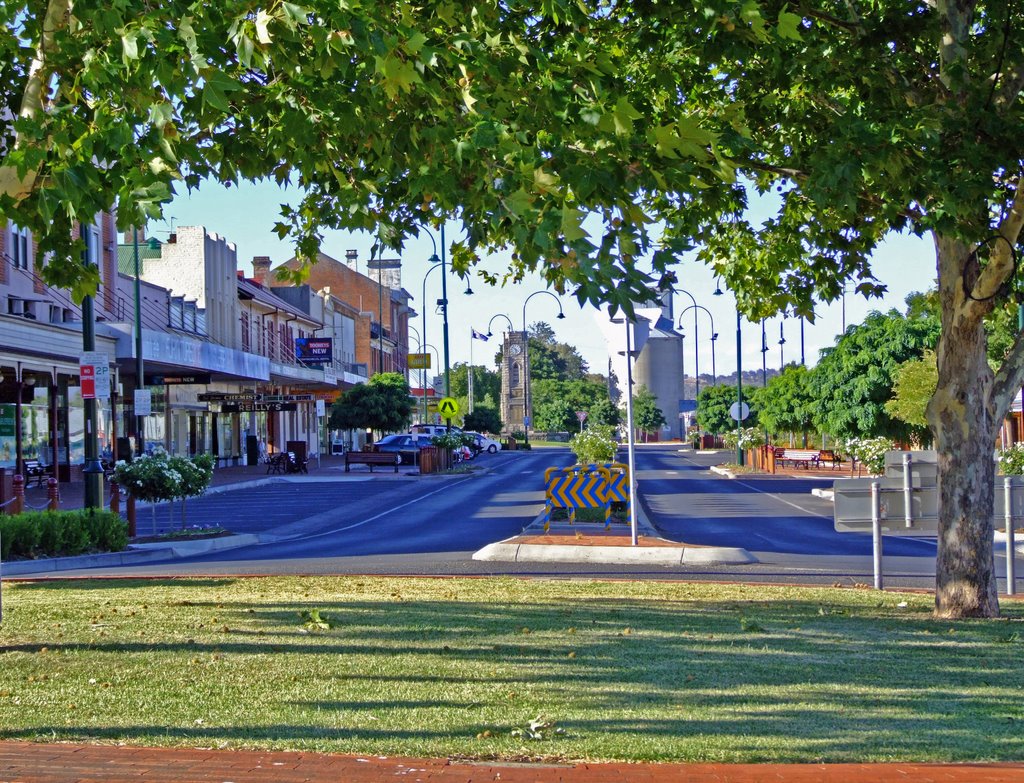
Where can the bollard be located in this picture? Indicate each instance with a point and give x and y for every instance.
(1011, 577)
(52, 494)
(115, 498)
(19, 494)
(908, 491)
(130, 510)
(876, 531)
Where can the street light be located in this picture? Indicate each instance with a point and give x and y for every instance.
(696, 346)
(423, 371)
(714, 336)
(527, 413)
(782, 342)
(511, 328)
(444, 306)
(436, 264)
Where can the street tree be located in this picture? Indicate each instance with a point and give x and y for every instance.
(787, 403)
(713, 404)
(647, 416)
(551, 359)
(382, 404)
(846, 121)
(602, 411)
(485, 382)
(914, 384)
(483, 418)
(854, 379)
(578, 395)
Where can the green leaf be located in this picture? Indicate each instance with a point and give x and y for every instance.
(519, 202)
(624, 116)
(572, 228)
(263, 19)
(130, 45)
(789, 26)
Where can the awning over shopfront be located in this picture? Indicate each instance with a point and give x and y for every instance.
(176, 350)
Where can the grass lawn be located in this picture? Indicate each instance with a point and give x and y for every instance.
(462, 667)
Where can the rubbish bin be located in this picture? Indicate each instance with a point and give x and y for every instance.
(252, 450)
(428, 459)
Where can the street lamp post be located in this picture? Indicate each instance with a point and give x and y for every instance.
(714, 337)
(92, 472)
(436, 264)
(527, 413)
(444, 309)
(696, 344)
(739, 388)
(782, 342)
(511, 328)
(764, 356)
(140, 383)
(423, 371)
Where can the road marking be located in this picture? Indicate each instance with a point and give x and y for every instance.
(782, 500)
(378, 516)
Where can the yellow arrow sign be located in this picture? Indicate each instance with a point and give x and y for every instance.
(448, 407)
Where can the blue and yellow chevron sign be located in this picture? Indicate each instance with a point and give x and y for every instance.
(573, 488)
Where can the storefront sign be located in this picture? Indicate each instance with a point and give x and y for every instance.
(222, 397)
(183, 378)
(287, 398)
(314, 350)
(321, 409)
(419, 361)
(257, 407)
(7, 421)
(143, 402)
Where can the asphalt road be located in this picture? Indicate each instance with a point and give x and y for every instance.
(769, 514)
(432, 525)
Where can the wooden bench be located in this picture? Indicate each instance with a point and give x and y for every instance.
(372, 458)
(797, 457)
(35, 471)
(827, 455)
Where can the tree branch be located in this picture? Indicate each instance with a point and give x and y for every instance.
(33, 99)
(1001, 262)
(1008, 380)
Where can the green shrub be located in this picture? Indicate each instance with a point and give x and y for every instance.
(595, 445)
(1011, 460)
(35, 534)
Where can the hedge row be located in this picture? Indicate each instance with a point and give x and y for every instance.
(61, 533)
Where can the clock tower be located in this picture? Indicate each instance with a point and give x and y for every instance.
(513, 381)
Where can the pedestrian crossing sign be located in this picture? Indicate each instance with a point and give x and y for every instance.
(448, 407)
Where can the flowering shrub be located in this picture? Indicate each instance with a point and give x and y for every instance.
(748, 438)
(596, 444)
(158, 477)
(1011, 460)
(150, 477)
(870, 452)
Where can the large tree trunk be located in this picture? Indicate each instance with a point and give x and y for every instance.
(965, 428)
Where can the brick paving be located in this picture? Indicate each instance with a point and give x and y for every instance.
(22, 762)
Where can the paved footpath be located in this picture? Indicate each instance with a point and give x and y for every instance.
(30, 763)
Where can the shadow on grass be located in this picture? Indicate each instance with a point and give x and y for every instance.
(824, 680)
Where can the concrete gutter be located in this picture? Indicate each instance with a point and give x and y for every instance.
(136, 554)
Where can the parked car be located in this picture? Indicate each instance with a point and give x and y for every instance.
(432, 429)
(407, 445)
(482, 443)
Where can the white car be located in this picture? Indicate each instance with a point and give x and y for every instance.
(483, 443)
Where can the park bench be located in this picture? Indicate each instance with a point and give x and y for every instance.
(35, 471)
(827, 455)
(372, 458)
(797, 457)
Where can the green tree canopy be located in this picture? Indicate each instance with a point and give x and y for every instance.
(647, 416)
(577, 395)
(483, 418)
(854, 379)
(602, 411)
(486, 383)
(551, 359)
(521, 120)
(787, 403)
(713, 404)
(382, 404)
(913, 386)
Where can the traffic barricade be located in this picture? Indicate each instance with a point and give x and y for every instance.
(576, 488)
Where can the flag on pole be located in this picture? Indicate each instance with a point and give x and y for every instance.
(478, 335)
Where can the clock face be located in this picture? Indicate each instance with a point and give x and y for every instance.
(515, 349)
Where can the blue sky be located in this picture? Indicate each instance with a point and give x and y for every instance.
(245, 215)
